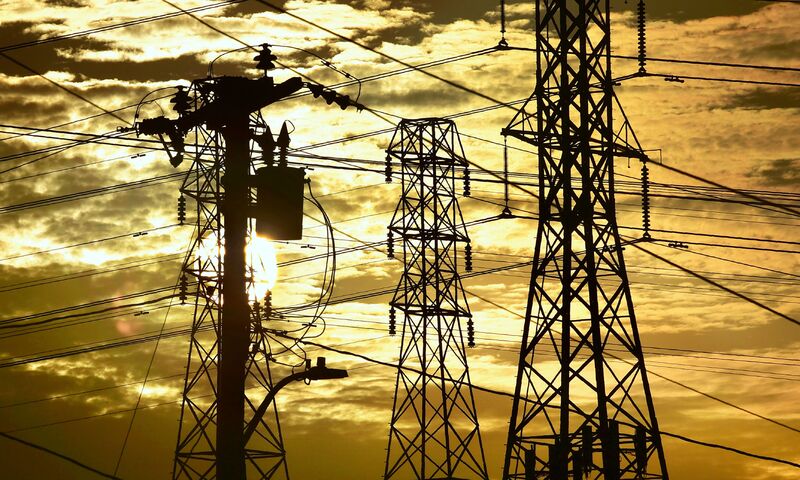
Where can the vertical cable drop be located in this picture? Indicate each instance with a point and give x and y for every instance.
(645, 199)
(506, 210)
(503, 42)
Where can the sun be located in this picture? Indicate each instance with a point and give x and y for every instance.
(263, 265)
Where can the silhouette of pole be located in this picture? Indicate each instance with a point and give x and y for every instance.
(235, 325)
(227, 334)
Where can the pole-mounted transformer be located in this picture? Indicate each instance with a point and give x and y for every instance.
(279, 202)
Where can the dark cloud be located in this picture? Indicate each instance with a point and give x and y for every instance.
(684, 10)
(788, 50)
(442, 11)
(246, 9)
(42, 58)
(178, 69)
(65, 3)
(443, 97)
(783, 172)
(62, 56)
(764, 99)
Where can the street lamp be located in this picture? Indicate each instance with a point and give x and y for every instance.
(318, 372)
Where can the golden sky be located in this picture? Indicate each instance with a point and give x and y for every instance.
(741, 135)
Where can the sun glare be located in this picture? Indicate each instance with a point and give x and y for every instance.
(264, 264)
(261, 261)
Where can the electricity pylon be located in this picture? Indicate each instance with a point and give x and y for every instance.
(434, 430)
(582, 406)
(229, 426)
(229, 349)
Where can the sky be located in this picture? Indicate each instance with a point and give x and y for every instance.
(700, 342)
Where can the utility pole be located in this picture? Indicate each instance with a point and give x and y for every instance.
(582, 406)
(434, 431)
(235, 332)
(231, 436)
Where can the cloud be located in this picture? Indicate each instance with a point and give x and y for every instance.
(716, 130)
(779, 172)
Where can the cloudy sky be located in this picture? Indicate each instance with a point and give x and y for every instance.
(742, 135)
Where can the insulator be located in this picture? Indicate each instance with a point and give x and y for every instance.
(503, 23)
(645, 200)
(468, 257)
(329, 96)
(265, 59)
(181, 209)
(283, 145)
(388, 170)
(642, 34)
(316, 89)
(587, 447)
(470, 333)
(390, 244)
(467, 191)
(181, 100)
(392, 321)
(640, 449)
(268, 305)
(578, 465)
(343, 101)
(267, 144)
(183, 288)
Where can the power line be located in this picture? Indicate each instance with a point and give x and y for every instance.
(744, 264)
(59, 455)
(51, 151)
(10, 287)
(138, 21)
(136, 234)
(516, 338)
(152, 359)
(737, 191)
(723, 80)
(119, 187)
(378, 76)
(461, 87)
(718, 285)
(707, 63)
(384, 55)
(505, 394)
(62, 87)
(95, 303)
(65, 324)
(7, 324)
(731, 449)
(65, 169)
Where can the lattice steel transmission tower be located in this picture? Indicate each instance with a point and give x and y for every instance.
(434, 430)
(582, 406)
(197, 452)
(229, 426)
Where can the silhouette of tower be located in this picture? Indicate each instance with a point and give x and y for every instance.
(220, 147)
(434, 430)
(582, 406)
(229, 426)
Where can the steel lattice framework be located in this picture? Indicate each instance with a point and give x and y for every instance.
(582, 406)
(195, 456)
(434, 430)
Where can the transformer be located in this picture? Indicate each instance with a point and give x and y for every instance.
(279, 202)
